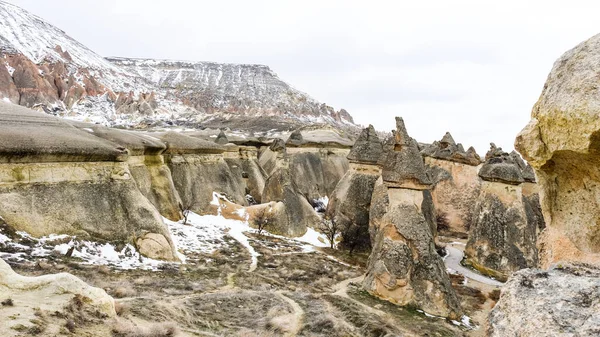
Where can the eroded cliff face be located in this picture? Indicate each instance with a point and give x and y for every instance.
(561, 143)
(56, 179)
(146, 165)
(456, 183)
(404, 266)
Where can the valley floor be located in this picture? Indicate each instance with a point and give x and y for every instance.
(235, 282)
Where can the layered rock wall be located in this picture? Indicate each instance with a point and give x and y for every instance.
(56, 179)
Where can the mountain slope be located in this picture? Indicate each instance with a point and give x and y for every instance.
(44, 68)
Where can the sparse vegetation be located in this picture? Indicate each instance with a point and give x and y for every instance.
(7, 302)
(262, 219)
(185, 210)
(443, 224)
(330, 227)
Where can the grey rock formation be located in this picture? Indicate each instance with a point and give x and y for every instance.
(447, 149)
(297, 214)
(404, 266)
(56, 179)
(199, 169)
(562, 301)
(507, 218)
(367, 149)
(403, 166)
(221, 138)
(350, 202)
(501, 167)
(295, 139)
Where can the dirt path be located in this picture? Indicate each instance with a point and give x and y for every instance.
(452, 261)
(292, 322)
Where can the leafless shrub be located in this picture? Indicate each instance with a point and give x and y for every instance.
(262, 219)
(329, 226)
(185, 210)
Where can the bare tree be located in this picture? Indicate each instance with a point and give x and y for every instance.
(262, 219)
(186, 212)
(331, 229)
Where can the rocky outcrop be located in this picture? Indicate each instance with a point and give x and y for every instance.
(147, 167)
(447, 149)
(56, 179)
(199, 169)
(317, 159)
(351, 200)
(456, 183)
(561, 143)
(243, 163)
(293, 211)
(221, 138)
(48, 293)
(562, 301)
(506, 222)
(404, 266)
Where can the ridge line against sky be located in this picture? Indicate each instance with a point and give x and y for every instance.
(469, 67)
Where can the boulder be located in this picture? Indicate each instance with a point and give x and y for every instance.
(562, 301)
(404, 267)
(562, 145)
(501, 167)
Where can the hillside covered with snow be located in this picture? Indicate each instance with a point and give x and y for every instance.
(45, 69)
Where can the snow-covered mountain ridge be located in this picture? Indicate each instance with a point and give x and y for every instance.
(46, 69)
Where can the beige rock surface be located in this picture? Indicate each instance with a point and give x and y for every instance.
(561, 143)
(48, 293)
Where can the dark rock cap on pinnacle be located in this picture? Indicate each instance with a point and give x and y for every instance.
(501, 167)
(222, 138)
(403, 166)
(367, 149)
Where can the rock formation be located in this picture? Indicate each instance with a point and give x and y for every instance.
(147, 167)
(243, 163)
(404, 266)
(293, 211)
(506, 220)
(199, 169)
(562, 301)
(48, 293)
(317, 159)
(56, 179)
(221, 138)
(351, 199)
(561, 143)
(456, 183)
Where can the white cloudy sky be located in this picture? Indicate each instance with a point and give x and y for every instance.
(474, 68)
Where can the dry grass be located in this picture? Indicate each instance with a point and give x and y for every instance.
(123, 328)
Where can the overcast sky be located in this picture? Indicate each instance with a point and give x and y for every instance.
(474, 68)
